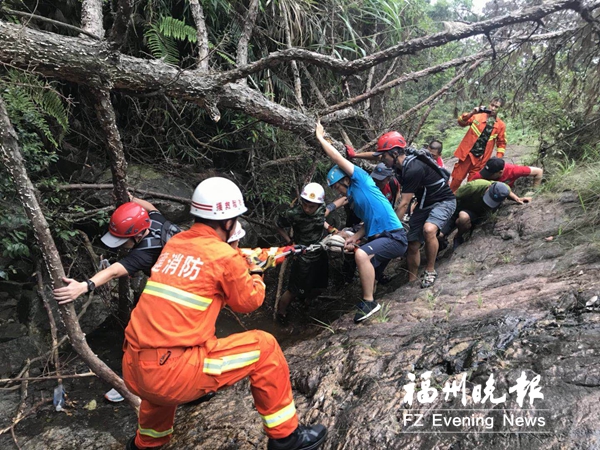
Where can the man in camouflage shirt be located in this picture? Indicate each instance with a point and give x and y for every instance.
(310, 271)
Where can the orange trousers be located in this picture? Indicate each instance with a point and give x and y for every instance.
(165, 378)
(470, 166)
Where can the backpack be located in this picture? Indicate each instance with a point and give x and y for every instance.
(425, 157)
(158, 240)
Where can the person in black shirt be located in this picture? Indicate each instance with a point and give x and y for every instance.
(136, 225)
(435, 204)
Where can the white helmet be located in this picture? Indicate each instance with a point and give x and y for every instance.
(217, 199)
(238, 233)
(313, 192)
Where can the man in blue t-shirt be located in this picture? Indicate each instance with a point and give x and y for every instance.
(386, 238)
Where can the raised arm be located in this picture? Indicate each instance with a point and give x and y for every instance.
(143, 203)
(335, 156)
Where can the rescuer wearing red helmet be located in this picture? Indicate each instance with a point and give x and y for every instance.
(135, 225)
(172, 355)
(421, 178)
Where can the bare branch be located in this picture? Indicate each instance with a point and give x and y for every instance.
(198, 14)
(91, 18)
(250, 19)
(66, 26)
(403, 79)
(394, 123)
(531, 14)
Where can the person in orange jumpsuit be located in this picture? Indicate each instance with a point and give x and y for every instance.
(486, 131)
(172, 355)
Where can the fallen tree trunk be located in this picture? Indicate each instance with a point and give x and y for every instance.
(15, 165)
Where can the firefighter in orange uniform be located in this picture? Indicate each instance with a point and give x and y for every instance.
(486, 130)
(171, 353)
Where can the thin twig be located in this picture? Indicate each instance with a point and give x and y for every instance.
(45, 19)
(51, 377)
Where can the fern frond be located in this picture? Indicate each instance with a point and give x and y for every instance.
(161, 47)
(177, 29)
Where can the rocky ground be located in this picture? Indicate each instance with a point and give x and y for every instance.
(521, 296)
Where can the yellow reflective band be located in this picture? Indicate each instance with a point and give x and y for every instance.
(178, 296)
(475, 130)
(493, 136)
(280, 416)
(501, 150)
(231, 362)
(476, 122)
(153, 433)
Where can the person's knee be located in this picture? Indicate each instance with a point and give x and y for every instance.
(430, 230)
(361, 257)
(413, 247)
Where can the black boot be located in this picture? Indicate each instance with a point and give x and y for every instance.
(131, 444)
(303, 438)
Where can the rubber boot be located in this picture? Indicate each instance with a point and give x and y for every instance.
(303, 438)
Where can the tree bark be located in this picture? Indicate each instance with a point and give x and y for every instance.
(250, 19)
(120, 29)
(105, 114)
(15, 165)
(203, 53)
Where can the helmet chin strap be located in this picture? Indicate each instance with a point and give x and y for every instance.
(228, 231)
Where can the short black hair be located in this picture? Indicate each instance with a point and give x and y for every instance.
(498, 99)
(438, 145)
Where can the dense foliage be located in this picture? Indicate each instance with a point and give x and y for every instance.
(551, 87)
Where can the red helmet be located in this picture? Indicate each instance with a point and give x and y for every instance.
(128, 220)
(389, 141)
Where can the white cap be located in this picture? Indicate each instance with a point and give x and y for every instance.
(313, 192)
(217, 199)
(238, 233)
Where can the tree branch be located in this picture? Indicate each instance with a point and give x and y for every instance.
(122, 18)
(15, 166)
(198, 14)
(249, 20)
(394, 123)
(408, 47)
(66, 26)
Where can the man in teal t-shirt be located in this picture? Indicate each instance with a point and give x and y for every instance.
(386, 238)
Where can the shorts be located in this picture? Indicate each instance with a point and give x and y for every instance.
(476, 219)
(438, 214)
(385, 247)
(308, 274)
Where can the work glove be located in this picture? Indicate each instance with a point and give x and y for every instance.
(350, 152)
(255, 261)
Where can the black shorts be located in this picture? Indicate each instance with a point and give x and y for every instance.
(308, 274)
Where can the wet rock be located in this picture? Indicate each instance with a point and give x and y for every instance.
(14, 352)
(569, 197)
(68, 438)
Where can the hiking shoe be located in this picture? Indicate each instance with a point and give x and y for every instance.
(458, 240)
(365, 310)
(428, 279)
(303, 438)
(131, 444)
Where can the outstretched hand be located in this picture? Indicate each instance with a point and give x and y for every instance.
(319, 130)
(70, 292)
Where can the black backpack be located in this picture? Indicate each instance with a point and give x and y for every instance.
(427, 158)
(158, 240)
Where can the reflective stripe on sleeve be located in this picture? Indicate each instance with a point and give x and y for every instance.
(153, 433)
(280, 416)
(475, 130)
(493, 136)
(178, 296)
(216, 366)
(501, 150)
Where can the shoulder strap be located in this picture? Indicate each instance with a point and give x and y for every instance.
(158, 239)
(425, 157)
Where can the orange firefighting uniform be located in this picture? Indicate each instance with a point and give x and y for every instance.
(469, 164)
(171, 353)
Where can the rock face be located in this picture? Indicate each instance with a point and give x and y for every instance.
(507, 304)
